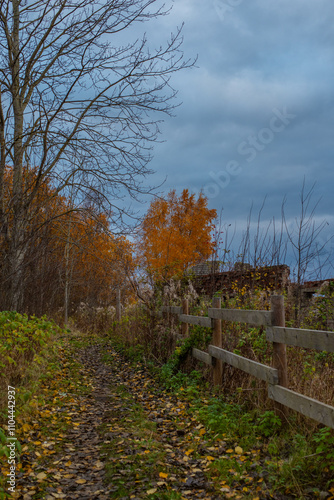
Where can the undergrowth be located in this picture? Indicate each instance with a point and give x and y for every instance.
(300, 456)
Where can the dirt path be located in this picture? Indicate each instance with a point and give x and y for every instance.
(128, 439)
(76, 471)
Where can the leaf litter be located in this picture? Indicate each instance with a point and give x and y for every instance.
(108, 430)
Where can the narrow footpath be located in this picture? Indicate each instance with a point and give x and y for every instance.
(112, 432)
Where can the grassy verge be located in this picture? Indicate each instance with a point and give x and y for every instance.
(48, 380)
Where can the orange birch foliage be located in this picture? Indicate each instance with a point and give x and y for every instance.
(176, 234)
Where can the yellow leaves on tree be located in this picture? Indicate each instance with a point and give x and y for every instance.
(175, 234)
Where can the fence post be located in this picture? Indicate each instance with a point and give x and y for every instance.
(185, 310)
(279, 350)
(217, 341)
(118, 305)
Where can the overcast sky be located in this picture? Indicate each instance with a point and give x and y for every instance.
(257, 112)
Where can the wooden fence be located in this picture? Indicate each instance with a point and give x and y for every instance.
(276, 375)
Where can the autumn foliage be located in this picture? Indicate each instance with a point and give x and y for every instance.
(71, 255)
(175, 234)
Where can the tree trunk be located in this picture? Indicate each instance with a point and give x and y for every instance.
(18, 243)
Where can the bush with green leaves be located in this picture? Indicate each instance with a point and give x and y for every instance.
(324, 440)
(21, 340)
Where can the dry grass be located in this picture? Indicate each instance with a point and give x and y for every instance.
(310, 373)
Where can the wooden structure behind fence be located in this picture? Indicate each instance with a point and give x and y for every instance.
(276, 375)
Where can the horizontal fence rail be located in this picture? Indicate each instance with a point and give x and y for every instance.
(202, 356)
(262, 372)
(275, 376)
(257, 318)
(307, 406)
(309, 339)
(196, 320)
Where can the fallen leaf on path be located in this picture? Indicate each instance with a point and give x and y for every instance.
(41, 475)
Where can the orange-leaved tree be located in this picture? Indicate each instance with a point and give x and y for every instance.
(70, 257)
(175, 234)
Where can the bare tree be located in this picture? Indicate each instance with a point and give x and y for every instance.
(263, 243)
(222, 258)
(78, 100)
(304, 238)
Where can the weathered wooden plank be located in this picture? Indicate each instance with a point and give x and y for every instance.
(171, 309)
(217, 341)
(310, 339)
(280, 360)
(242, 316)
(258, 370)
(196, 320)
(202, 356)
(185, 310)
(309, 407)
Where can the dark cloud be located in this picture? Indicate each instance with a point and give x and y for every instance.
(257, 61)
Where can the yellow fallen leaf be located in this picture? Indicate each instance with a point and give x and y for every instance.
(238, 450)
(163, 475)
(229, 451)
(202, 432)
(151, 492)
(80, 481)
(189, 452)
(210, 458)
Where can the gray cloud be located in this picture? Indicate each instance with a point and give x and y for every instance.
(259, 57)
